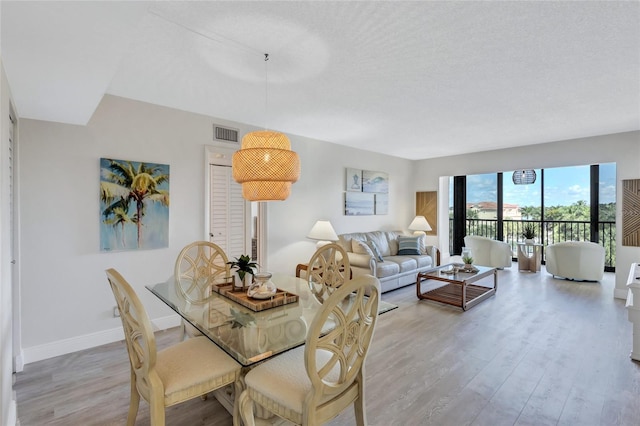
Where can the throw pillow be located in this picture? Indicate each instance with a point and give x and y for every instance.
(360, 247)
(375, 251)
(408, 246)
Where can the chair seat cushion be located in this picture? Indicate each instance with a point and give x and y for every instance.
(283, 380)
(194, 367)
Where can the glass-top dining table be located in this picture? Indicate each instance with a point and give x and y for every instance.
(246, 335)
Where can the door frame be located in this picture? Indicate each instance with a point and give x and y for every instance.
(221, 155)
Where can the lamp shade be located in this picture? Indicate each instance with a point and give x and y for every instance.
(265, 166)
(323, 231)
(420, 223)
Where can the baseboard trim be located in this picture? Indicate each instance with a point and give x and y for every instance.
(620, 293)
(18, 362)
(12, 415)
(74, 344)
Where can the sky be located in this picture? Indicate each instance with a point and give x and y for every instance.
(563, 186)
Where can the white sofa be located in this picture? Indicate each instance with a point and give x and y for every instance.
(576, 260)
(394, 270)
(488, 252)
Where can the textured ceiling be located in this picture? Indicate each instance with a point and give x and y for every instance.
(409, 79)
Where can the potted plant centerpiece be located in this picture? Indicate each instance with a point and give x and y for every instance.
(243, 266)
(528, 232)
(468, 262)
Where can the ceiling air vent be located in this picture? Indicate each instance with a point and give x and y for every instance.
(226, 134)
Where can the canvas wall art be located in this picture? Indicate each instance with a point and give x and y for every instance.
(353, 180)
(427, 206)
(134, 205)
(358, 203)
(374, 186)
(631, 212)
(375, 181)
(382, 204)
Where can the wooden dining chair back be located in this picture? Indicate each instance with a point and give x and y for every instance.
(313, 384)
(200, 265)
(328, 269)
(181, 372)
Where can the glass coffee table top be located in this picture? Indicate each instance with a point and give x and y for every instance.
(456, 271)
(461, 288)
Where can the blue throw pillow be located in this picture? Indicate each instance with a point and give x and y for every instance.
(408, 245)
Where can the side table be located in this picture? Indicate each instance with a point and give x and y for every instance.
(529, 257)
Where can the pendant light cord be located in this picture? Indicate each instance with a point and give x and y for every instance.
(210, 35)
(266, 91)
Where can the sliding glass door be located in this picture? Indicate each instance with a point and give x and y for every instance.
(563, 204)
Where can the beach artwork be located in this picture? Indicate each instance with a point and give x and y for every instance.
(359, 204)
(375, 182)
(382, 204)
(134, 205)
(354, 180)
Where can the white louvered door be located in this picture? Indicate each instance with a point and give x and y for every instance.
(227, 212)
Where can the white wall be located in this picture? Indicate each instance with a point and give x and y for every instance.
(66, 301)
(621, 148)
(7, 402)
(319, 194)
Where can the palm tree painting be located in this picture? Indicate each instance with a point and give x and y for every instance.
(134, 205)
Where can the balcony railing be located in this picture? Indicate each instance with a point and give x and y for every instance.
(547, 232)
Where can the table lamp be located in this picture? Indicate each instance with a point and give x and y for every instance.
(323, 232)
(419, 226)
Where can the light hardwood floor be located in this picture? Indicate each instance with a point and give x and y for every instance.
(542, 351)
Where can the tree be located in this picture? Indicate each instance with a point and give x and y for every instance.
(125, 185)
(530, 212)
(120, 217)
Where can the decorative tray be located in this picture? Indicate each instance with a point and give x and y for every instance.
(455, 268)
(280, 298)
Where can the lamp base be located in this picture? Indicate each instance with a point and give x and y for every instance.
(321, 244)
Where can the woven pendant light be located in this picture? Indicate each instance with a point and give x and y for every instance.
(265, 166)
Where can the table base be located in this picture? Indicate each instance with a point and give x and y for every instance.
(451, 294)
(458, 291)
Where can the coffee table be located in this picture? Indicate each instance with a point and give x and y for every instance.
(458, 290)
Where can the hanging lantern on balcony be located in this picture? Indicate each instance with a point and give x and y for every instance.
(524, 177)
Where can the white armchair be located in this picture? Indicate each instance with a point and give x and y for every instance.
(488, 252)
(576, 260)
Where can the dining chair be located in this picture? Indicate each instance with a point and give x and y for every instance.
(176, 374)
(199, 266)
(311, 385)
(328, 269)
